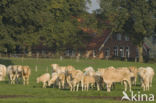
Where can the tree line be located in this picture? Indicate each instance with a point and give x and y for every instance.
(58, 24)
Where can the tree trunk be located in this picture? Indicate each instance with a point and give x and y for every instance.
(140, 52)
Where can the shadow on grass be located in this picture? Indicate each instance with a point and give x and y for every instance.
(6, 62)
(4, 82)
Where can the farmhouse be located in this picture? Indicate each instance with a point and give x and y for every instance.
(113, 45)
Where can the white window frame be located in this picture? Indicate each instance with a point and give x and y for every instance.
(127, 50)
(115, 49)
(107, 52)
(121, 50)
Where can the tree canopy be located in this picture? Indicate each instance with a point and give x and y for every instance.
(27, 23)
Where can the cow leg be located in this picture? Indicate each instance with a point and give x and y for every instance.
(44, 85)
(129, 84)
(109, 87)
(74, 85)
(14, 79)
(27, 80)
(63, 84)
(87, 86)
(150, 81)
(59, 85)
(24, 80)
(98, 87)
(77, 87)
(125, 85)
(82, 84)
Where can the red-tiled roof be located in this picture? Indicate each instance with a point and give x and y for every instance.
(97, 41)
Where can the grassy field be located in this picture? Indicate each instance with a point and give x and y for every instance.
(33, 93)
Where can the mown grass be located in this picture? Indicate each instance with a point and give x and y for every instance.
(33, 93)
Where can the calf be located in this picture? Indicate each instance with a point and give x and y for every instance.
(44, 79)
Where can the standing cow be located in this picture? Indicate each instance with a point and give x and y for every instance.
(2, 72)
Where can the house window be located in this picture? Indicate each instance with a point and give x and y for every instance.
(107, 52)
(69, 52)
(73, 53)
(121, 52)
(114, 36)
(126, 38)
(115, 51)
(127, 53)
(118, 36)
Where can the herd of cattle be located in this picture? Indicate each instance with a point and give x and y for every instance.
(69, 77)
(15, 73)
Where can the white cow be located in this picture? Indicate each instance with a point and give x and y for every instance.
(2, 72)
(146, 75)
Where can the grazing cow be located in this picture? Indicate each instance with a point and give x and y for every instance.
(44, 79)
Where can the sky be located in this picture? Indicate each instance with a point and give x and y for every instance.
(93, 6)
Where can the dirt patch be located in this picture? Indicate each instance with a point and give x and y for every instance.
(99, 97)
(14, 96)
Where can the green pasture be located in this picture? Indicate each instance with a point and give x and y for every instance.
(33, 93)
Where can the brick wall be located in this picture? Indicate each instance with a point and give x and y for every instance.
(113, 42)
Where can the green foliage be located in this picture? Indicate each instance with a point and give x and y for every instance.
(132, 17)
(112, 12)
(48, 23)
